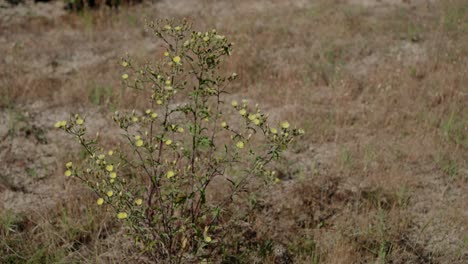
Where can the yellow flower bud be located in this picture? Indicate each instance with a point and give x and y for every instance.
(176, 59)
(122, 215)
(138, 201)
(110, 193)
(69, 164)
(68, 173)
(113, 175)
(125, 76)
(170, 174)
(100, 201)
(109, 168)
(139, 143)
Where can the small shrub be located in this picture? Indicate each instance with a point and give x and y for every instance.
(156, 180)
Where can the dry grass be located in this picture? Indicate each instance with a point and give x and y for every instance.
(380, 88)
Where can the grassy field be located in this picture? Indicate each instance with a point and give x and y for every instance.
(381, 88)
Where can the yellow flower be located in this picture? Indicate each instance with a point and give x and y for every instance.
(68, 173)
(285, 125)
(205, 234)
(176, 59)
(138, 201)
(167, 27)
(206, 39)
(154, 115)
(111, 180)
(234, 103)
(148, 111)
(69, 164)
(110, 193)
(243, 112)
(159, 102)
(135, 119)
(256, 122)
(168, 142)
(273, 130)
(100, 201)
(60, 124)
(224, 124)
(170, 174)
(113, 175)
(168, 82)
(252, 117)
(180, 129)
(240, 144)
(102, 156)
(139, 143)
(178, 28)
(124, 63)
(122, 215)
(79, 121)
(110, 153)
(301, 131)
(109, 168)
(125, 76)
(166, 54)
(277, 180)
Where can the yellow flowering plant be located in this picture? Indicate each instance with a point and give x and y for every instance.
(156, 181)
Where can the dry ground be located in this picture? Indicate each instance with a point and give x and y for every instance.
(381, 88)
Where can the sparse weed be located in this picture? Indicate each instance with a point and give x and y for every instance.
(157, 180)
